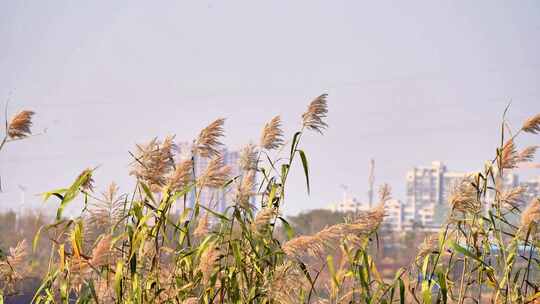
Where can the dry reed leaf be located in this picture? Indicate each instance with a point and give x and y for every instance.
(313, 118)
(272, 135)
(19, 126)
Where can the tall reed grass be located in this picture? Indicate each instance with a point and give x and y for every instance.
(132, 248)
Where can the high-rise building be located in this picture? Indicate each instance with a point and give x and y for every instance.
(428, 190)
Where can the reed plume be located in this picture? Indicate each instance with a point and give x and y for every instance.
(429, 245)
(464, 197)
(263, 218)
(215, 175)
(285, 284)
(104, 213)
(208, 142)
(153, 162)
(202, 228)
(532, 125)
(181, 176)
(527, 154)
(17, 254)
(508, 156)
(313, 118)
(208, 261)
(272, 135)
(317, 244)
(246, 189)
(248, 158)
(101, 254)
(87, 182)
(531, 215)
(513, 198)
(19, 126)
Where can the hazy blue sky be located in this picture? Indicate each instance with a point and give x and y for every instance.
(408, 82)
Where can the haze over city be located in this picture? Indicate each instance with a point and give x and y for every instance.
(407, 83)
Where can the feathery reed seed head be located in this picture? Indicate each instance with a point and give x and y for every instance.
(263, 218)
(248, 158)
(464, 197)
(531, 214)
(154, 161)
(101, 254)
(208, 144)
(87, 182)
(313, 118)
(532, 125)
(272, 135)
(181, 176)
(246, 189)
(202, 228)
(215, 175)
(208, 261)
(527, 154)
(508, 156)
(19, 126)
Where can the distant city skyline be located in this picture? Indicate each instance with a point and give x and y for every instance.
(408, 82)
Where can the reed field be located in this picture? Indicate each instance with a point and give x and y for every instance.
(132, 247)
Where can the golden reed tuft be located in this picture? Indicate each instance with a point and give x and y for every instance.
(532, 125)
(215, 175)
(181, 176)
(272, 134)
(202, 228)
(263, 218)
(20, 124)
(464, 197)
(208, 144)
(317, 110)
(248, 158)
(508, 156)
(101, 254)
(531, 215)
(246, 189)
(527, 154)
(209, 260)
(153, 162)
